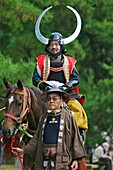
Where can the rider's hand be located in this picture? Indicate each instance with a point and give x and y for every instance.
(16, 151)
(74, 165)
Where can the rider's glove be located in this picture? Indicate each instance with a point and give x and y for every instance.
(44, 86)
(65, 88)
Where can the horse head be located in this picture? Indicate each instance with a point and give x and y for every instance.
(23, 108)
(17, 103)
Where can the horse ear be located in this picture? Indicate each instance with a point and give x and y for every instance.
(6, 83)
(20, 85)
(2, 104)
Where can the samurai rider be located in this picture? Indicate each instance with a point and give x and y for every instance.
(59, 67)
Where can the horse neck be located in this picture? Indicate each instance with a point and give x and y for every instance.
(37, 108)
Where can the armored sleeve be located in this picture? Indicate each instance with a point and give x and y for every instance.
(75, 79)
(36, 78)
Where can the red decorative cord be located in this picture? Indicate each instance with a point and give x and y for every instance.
(19, 156)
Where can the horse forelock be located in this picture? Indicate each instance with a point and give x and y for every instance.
(13, 87)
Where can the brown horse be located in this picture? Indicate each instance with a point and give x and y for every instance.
(23, 110)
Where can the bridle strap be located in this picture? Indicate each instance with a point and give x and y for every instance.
(26, 105)
(11, 116)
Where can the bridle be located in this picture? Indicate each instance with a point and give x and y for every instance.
(26, 105)
(26, 108)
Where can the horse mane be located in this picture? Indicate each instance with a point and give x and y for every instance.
(37, 93)
(40, 101)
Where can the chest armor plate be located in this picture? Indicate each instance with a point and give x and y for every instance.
(56, 71)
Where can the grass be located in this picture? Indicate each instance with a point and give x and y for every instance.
(9, 167)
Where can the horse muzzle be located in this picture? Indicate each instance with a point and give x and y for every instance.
(8, 132)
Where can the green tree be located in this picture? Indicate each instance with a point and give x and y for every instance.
(92, 49)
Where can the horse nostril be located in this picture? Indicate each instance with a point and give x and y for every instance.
(6, 133)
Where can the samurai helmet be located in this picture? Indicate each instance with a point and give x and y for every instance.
(64, 41)
(56, 36)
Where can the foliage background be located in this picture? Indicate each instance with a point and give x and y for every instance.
(92, 50)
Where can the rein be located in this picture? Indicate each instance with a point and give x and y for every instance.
(19, 156)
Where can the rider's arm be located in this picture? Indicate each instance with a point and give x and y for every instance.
(74, 78)
(73, 82)
(36, 77)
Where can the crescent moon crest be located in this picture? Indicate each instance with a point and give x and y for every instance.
(67, 40)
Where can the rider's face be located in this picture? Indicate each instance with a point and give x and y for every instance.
(54, 47)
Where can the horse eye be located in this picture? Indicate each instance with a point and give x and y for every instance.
(19, 104)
